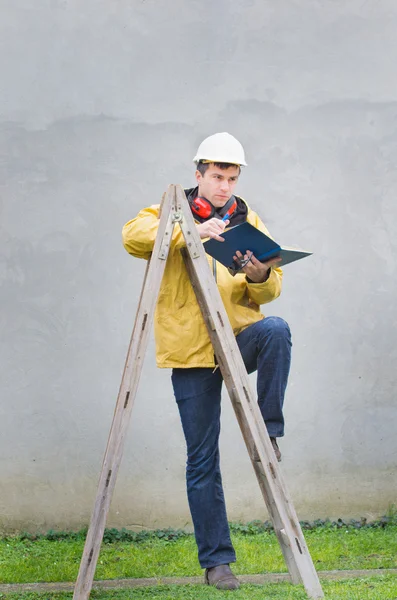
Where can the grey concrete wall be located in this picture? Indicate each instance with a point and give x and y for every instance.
(103, 105)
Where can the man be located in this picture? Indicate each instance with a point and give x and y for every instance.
(182, 341)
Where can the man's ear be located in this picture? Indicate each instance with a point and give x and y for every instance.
(198, 176)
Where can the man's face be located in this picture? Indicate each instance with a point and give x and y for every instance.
(217, 185)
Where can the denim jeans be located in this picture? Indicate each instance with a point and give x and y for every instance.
(266, 347)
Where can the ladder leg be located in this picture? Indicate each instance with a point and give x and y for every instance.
(281, 510)
(126, 397)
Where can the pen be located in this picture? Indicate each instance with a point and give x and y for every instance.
(226, 217)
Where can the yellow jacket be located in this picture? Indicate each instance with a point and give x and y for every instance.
(181, 335)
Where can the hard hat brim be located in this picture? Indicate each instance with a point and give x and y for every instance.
(197, 159)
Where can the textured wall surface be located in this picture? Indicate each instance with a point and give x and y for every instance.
(103, 105)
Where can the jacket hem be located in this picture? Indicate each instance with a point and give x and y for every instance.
(172, 365)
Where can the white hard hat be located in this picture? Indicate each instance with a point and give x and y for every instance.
(221, 147)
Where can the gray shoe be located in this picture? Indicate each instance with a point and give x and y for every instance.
(221, 577)
(276, 448)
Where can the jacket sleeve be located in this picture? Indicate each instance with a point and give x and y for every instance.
(139, 234)
(262, 293)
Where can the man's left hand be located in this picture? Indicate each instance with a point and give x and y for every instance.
(255, 270)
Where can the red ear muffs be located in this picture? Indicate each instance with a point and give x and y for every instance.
(203, 208)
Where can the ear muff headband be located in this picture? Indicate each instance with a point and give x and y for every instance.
(229, 207)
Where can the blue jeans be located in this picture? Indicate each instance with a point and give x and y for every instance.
(266, 347)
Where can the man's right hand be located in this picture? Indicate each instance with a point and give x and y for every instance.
(212, 228)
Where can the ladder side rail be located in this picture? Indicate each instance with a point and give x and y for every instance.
(228, 353)
(126, 396)
(246, 432)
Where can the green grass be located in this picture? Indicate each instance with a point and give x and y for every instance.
(373, 588)
(24, 561)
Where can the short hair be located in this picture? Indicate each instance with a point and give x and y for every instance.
(203, 166)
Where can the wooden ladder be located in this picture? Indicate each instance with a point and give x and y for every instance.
(175, 210)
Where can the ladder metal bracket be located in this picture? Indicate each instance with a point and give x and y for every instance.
(191, 244)
(177, 216)
(166, 241)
